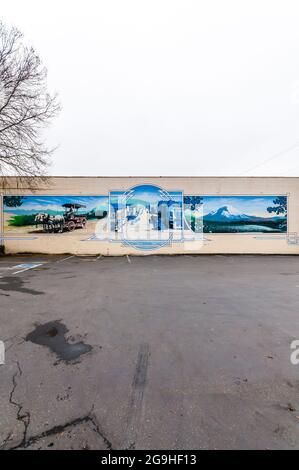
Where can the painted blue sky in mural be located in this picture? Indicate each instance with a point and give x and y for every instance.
(54, 203)
(147, 194)
(249, 205)
(221, 214)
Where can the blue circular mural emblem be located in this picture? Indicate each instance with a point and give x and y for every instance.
(145, 216)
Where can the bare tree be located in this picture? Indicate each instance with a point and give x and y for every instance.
(25, 108)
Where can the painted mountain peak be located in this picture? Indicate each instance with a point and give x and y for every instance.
(226, 212)
(228, 218)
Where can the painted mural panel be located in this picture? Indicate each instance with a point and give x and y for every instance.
(239, 214)
(145, 217)
(53, 214)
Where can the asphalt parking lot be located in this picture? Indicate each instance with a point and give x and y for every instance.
(158, 352)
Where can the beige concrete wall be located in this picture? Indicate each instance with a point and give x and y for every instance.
(204, 186)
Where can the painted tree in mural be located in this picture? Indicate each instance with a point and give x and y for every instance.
(13, 201)
(192, 202)
(280, 208)
(26, 108)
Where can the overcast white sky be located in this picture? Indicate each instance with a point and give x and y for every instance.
(167, 87)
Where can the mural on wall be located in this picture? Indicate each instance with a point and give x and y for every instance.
(53, 214)
(145, 216)
(237, 214)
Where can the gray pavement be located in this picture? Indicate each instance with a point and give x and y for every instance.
(159, 352)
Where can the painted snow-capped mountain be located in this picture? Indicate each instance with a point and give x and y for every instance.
(226, 213)
(230, 214)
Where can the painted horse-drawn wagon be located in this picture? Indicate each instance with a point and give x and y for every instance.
(69, 221)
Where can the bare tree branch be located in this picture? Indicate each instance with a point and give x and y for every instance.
(26, 108)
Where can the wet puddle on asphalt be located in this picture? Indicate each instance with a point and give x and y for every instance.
(52, 335)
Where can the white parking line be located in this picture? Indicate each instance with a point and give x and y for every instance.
(22, 270)
(64, 259)
(26, 267)
(129, 261)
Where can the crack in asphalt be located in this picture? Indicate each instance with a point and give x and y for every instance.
(61, 428)
(25, 417)
(6, 440)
